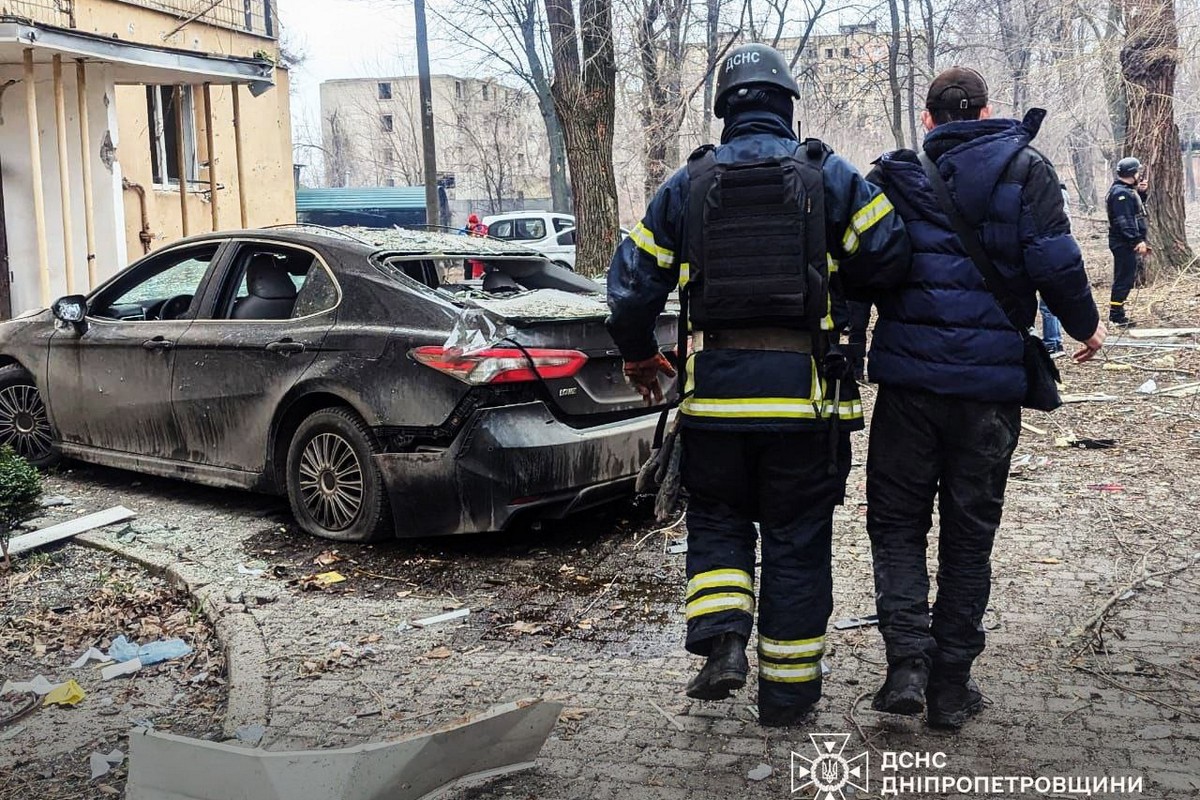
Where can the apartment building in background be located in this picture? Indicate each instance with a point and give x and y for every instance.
(126, 124)
(492, 154)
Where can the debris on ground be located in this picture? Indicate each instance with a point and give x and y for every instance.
(65, 530)
(678, 547)
(1027, 463)
(1085, 444)
(1106, 487)
(1160, 333)
(253, 572)
(102, 763)
(1149, 387)
(760, 773)
(322, 580)
(120, 669)
(251, 734)
(150, 653)
(65, 694)
(92, 654)
(504, 740)
(856, 622)
(38, 685)
(449, 616)
(1094, 397)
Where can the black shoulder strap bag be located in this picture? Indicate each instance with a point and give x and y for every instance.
(1041, 374)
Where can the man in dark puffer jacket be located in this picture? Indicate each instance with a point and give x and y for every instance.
(950, 368)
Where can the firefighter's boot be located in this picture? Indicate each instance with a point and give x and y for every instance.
(724, 671)
(953, 699)
(904, 690)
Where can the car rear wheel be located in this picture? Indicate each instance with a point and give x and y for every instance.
(334, 488)
(24, 425)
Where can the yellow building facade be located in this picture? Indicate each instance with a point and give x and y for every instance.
(126, 124)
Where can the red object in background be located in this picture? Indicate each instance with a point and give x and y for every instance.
(476, 268)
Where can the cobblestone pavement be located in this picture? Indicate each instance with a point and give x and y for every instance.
(588, 612)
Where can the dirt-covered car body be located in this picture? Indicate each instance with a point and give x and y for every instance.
(474, 404)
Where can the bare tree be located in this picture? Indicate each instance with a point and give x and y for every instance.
(584, 92)
(1149, 61)
(515, 38)
(660, 36)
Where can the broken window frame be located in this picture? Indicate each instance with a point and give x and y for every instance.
(164, 157)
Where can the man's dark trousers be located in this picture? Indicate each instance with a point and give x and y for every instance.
(1125, 270)
(782, 481)
(923, 445)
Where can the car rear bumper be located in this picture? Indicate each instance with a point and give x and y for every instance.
(510, 462)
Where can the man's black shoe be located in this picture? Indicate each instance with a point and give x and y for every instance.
(1123, 322)
(953, 703)
(904, 690)
(782, 716)
(724, 671)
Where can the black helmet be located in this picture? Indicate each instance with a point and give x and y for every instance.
(1128, 167)
(752, 65)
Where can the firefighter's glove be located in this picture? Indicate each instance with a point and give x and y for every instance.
(643, 376)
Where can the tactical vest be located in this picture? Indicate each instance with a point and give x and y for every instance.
(755, 241)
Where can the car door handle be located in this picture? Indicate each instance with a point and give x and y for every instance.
(158, 343)
(286, 347)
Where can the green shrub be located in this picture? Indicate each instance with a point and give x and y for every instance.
(20, 490)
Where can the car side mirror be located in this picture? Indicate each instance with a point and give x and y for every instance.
(71, 310)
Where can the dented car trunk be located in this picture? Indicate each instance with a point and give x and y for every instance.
(574, 439)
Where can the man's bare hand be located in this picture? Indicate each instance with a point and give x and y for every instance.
(1092, 345)
(1141, 248)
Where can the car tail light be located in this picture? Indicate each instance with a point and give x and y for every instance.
(502, 364)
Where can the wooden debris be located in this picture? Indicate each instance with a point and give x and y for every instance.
(65, 530)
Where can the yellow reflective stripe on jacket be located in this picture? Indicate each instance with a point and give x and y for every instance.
(863, 220)
(750, 407)
(720, 578)
(716, 603)
(644, 239)
(789, 673)
(794, 648)
(685, 274)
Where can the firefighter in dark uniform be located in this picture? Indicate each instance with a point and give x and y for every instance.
(754, 231)
(1127, 232)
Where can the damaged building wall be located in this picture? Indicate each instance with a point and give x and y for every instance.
(18, 189)
(267, 142)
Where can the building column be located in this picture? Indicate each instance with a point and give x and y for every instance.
(64, 174)
(181, 157)
(85, 148)
(210, 137)
(35, 177)
(241, 159)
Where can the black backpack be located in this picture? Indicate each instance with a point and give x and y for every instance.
(756, 241)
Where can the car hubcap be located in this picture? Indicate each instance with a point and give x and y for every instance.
(331, 481)
(23, 423)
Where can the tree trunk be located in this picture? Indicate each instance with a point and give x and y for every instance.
(584, 91)
(1114, 87)
(912, 74)
(896, 92)
(560, 190)
(1149, 60)
(712, 47)
(1083, 164)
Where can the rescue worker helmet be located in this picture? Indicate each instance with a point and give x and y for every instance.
(752, 65)
(1128, 167)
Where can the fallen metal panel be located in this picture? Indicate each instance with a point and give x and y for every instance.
(503, 740)
(65, 530)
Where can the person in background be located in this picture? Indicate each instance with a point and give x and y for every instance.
(1127, 231)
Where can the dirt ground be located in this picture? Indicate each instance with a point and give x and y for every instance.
(55, 606)
(1092, 667)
